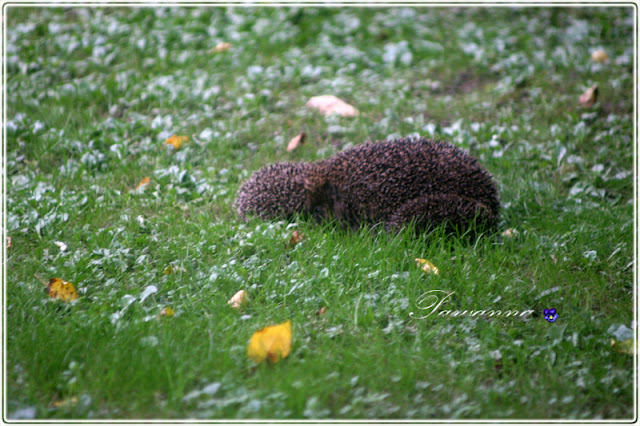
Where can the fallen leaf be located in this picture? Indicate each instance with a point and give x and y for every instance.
(65, 403)
(167, 312)
(509, 233)
(176, 141)
(296, 142)
(273, 343)
(9, 242)
(222, 47)
(63, 290)
(321, 311)
(624, 347)
(589, 97)
(599, 56)
(239, 299)
(427, 266)
(329, 104)
(296, 237)
(143, 184)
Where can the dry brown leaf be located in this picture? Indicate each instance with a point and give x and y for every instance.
(589, 97)
(427, 266)
(599, 56)
(222, 47)
(239, 299)
(321, 311)
(9, 244)
(296, 142)
(329, 104)
(296, 237)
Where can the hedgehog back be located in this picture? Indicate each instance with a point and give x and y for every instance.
(377, 178)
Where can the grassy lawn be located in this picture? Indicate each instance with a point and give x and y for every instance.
(93, 93)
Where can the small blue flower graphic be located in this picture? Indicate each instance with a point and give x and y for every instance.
(550, 315)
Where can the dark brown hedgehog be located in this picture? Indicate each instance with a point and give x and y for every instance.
(393, 183)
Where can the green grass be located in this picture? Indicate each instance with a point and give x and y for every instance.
(92, 93)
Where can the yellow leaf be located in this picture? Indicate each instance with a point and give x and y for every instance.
(296, 142)
(143, 184)
(176, 141)
(329, 104)
(272, 343)
(599, 56)
(427, 266)
(63, 290)
(624, 347)
(239, 299)
(167, 312)
(589, 97)
(222, 47)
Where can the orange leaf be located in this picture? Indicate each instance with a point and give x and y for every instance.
(329, 104)
(143, 184)
(296, 142)
(272, 343)
(176, 141)
(63, 290)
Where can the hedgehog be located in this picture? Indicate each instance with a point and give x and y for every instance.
(394, 183)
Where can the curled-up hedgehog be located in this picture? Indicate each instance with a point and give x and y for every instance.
(394, 183)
